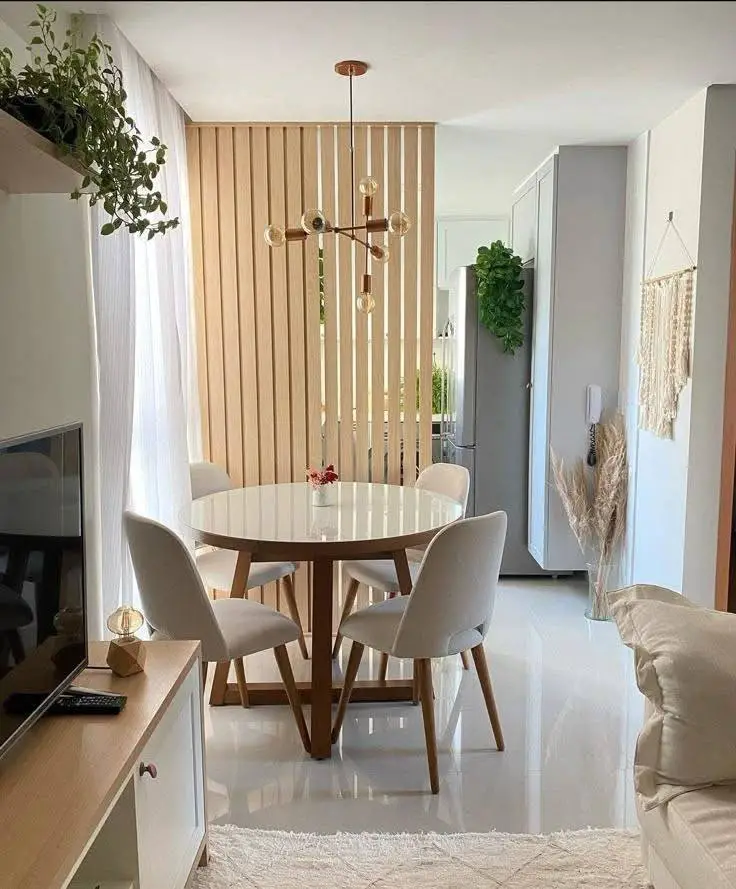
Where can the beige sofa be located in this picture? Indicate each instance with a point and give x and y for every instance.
(688, 835)
(690, 842)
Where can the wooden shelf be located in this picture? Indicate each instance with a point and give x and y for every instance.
(31, 164)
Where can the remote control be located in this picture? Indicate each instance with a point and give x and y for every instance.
(105, 703)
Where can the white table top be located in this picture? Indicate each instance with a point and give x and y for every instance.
(283, 514)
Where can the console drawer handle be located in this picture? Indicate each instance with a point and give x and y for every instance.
(150, 769)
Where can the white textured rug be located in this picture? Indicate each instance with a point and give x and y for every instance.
(263, 859)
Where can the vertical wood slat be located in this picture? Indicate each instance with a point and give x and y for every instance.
(298, 308)
(378, 337)
(346, 303)
(313, 330)
(410, 206)
(246, 334)
(426, 291)
(280, 311)
(262, 288)
(229, 298)
(295, 269)
(329, 247)
(213, 301)
(393, 309)
(194, 165)
(361, 322)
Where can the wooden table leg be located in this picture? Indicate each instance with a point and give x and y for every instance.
(240, 579)
(237, 591)
(401, 563)
(321, 659)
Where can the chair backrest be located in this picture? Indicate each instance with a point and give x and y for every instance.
(208, 478)
(446, 478)
(174, 599)
(455, 589)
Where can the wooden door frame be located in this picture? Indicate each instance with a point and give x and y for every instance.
(725, 597)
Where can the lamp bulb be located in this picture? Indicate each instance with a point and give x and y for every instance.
(365, 303)
(368, 186)
(314, 222)
(380, 253)
(275, 235)
(399, 223)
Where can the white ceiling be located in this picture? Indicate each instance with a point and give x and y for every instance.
(583, 70)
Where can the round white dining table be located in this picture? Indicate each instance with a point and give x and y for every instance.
(269, 523)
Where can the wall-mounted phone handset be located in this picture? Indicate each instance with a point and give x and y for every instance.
(593, 406)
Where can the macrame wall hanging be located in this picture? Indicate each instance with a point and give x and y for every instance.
(664, 341)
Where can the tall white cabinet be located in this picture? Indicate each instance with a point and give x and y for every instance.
(568, 219)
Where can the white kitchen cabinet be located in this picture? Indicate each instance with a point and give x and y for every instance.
(524, 221)
(580, 195)
(458, 239)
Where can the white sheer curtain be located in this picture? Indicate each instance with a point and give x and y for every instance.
(148, 414)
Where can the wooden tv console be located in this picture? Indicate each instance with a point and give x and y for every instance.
(115, 801)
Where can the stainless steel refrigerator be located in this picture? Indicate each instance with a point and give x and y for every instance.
(485, 414)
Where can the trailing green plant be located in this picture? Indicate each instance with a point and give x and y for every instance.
(72, 92)
(500, 289)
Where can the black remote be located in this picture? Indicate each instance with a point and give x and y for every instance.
(22, 703)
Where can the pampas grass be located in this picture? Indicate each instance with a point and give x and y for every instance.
(594, 501)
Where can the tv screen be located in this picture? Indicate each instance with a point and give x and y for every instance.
(43, 637)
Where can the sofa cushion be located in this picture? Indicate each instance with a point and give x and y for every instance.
(694, 837)
(686, 666)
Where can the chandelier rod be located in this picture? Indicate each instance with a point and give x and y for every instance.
(352, 154)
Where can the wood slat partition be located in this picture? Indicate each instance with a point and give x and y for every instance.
(282, 387)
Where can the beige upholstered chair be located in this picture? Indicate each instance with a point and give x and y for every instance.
(176, 606)
(449, 611)
(441, 478)
(217, 566)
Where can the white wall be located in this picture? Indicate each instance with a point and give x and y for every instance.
(674, 173)
(684, 165)
(709, 344)
(47, 375)
(636, 205)
(477, 170)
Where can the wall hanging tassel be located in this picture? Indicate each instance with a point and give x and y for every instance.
(664, 341)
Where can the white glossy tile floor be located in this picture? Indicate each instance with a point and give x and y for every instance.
(570, 713)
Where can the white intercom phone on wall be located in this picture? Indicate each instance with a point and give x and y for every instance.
(593, 404)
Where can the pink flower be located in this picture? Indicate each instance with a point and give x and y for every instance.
(319, 477)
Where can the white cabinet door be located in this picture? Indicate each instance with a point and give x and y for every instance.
(169, 798)
(541, 353)
(458, 241)
(524, 224)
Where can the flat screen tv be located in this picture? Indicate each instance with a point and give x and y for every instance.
(43, 637)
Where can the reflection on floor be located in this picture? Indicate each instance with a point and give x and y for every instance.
(570, 714)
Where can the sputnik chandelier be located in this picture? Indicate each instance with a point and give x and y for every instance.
(314, 222)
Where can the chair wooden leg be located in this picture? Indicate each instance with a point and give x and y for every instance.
(351, 671)
(219, 684)
(292, 692)
(347, 610)
(240, 678)
(424, 667)
(383, 668)
(481, 666)
(465, 659)
(294, 612)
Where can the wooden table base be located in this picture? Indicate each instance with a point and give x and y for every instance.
(367, 691)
